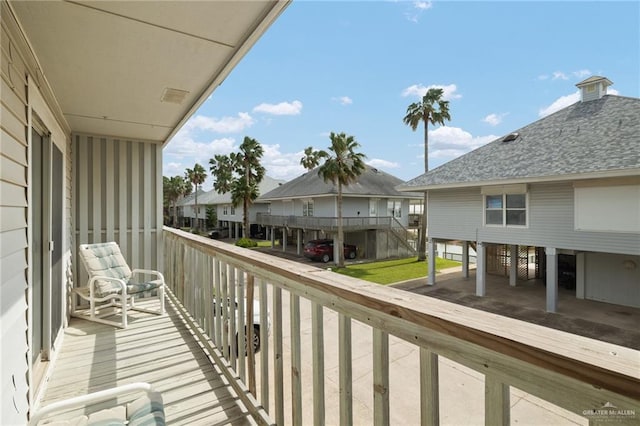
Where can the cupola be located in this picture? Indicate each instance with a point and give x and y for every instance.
(593, 88)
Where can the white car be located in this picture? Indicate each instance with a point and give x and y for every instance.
(256, 323)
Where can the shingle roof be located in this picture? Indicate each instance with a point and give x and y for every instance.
(585, 138)
(212, 197)
(372, 182)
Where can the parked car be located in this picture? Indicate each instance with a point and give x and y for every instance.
(323, 250)
(219, 233)
(256, 322)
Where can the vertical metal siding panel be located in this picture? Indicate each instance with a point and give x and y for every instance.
(134, 196)
(109, 191)
(123, 177)
(82, 199)
(147, 204)
(96, 188)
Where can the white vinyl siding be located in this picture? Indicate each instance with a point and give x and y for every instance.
(458, 215)
(131, 216)
(13, 230)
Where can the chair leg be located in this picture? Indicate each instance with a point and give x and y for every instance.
(161, 294)
(123, 309)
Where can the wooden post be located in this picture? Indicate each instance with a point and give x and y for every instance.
(496, 402)
(278, 367)
(513, 270)
(251, 368)
(481, 279)
(431, 258)
(296, 365)
(264, 346)
(429, 388)
(380, 378)
(317, 349)
(345, 368)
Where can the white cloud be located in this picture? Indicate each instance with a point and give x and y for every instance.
(543, 77)
(449, 91)
(422, 5)
(494, 119)
(559, 75)
(448, 142)
(558, 104)
(283, 108)
(382, 164)
(582, 73)
(220, 125)
(344, 100)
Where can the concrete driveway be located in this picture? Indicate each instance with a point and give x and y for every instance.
(461, 389)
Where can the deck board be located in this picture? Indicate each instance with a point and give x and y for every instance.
(156, 349)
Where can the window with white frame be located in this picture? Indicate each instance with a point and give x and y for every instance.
(307, 208)
(233, 210)
(505, 209)
(394, 208)
(373, 207)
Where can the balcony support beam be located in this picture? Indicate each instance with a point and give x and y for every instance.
(296, 364)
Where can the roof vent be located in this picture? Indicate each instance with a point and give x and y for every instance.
(511, 137)
(174, 96)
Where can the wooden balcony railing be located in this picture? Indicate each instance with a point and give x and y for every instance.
(581, 375)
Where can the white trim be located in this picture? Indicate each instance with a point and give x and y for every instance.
(634, 172)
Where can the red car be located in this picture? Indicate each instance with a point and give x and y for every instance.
(323, 250)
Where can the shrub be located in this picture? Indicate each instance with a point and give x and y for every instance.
(246, 243)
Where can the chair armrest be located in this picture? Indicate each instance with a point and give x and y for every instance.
(97, 278)
(80, 401)
(150, 272)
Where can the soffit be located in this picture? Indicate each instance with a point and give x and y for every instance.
(108, 63)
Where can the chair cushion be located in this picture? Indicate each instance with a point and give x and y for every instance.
(105, 259)
(146, 410)
(115, 416)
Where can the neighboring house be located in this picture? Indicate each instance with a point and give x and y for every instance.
(375, 214)
(187, 210)
(90, 95)
(560, 195)
(228, 216)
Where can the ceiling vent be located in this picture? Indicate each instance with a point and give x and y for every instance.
(511, 137)
(174, 96)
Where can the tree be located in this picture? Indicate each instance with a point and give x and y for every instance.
(175, 188)
(426, 112)
(342, 168)
(311, 159)
(240, 174)
(196, 176)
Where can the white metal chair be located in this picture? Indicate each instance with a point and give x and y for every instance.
(111, 284)
(146, 410)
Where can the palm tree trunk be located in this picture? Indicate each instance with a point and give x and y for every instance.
(340, 230)
(422, 239)
(196, 207)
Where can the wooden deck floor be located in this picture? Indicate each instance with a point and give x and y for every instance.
(156, 349)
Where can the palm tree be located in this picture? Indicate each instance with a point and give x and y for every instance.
(196, 176)
(240, 173)
(175, 188)
(311, 158)
(425, 112)
(342, 167)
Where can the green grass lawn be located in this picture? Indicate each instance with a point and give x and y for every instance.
(392, 271)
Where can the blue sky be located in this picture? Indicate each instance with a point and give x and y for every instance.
(354, 67)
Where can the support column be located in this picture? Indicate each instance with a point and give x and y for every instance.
(580, 275)
(299, 241)
(284, 239)
(481, 279)
(465, 259)
(272, 236)
(552, 278)
(431, 258)
(513, 270)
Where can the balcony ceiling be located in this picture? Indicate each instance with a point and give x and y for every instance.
(109, 63)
